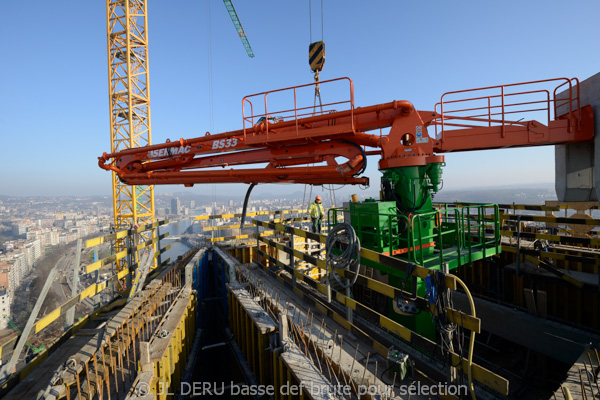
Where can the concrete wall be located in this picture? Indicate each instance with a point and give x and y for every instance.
(578, 165)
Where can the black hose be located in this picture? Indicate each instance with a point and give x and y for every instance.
(364, 156)
(350, 256)
(246, 204)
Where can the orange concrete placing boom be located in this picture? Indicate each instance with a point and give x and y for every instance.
(301, 146)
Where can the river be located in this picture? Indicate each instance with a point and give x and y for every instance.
(175, 229)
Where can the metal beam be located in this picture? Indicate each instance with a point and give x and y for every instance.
(10, 366)
(141, 273)
(70, 317)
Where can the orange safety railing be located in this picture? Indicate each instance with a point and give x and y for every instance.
(294, 111)
(499, 105)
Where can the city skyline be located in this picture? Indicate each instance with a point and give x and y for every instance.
(290, 190)
(34, 228)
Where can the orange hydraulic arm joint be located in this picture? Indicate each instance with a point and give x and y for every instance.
(408, 143)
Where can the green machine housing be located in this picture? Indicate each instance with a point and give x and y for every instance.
(405, 224)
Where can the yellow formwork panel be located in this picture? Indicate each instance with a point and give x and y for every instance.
(252, 336)
(169, 368)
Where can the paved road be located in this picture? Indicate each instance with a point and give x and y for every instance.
(61, 289)
(63, 283)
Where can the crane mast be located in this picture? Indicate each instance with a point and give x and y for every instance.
(129, 99)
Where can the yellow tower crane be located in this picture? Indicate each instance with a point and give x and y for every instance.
(129, 98)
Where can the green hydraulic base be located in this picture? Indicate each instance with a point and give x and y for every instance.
(423, 323)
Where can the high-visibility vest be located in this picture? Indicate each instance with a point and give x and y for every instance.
(316, 210)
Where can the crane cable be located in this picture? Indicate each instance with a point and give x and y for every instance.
(310, 19)
(309, 200)
(210, 71)
(332, 195)
(320, 67)
(317, 94)
(211, 112)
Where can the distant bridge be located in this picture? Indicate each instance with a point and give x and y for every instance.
(190, 240)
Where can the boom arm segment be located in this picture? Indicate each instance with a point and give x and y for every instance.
(509, 116)
(301, 146)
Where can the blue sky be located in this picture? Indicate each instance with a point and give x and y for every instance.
(54, 119)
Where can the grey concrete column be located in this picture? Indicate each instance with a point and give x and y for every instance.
(577, 165)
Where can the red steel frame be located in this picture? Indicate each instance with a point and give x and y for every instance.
(301, 146)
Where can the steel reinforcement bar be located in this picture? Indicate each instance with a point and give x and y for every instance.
(241, 236)
(375, 338)
(480, 374)
(283, 347)
(164, 355)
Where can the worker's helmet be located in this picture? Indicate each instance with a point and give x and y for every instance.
(318, 198)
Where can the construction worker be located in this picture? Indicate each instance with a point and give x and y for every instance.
(316, 212)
